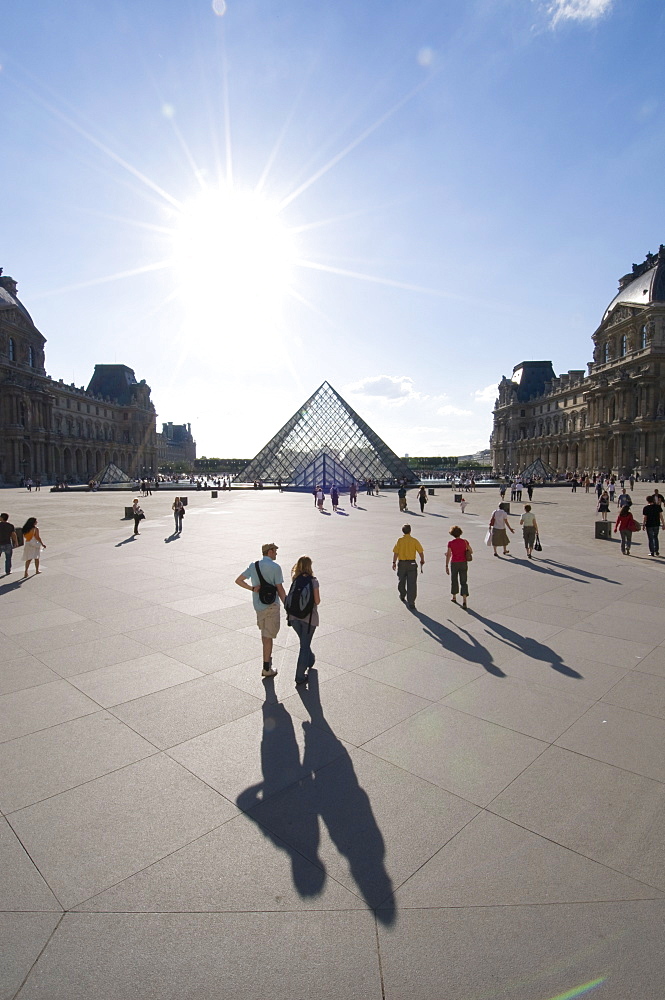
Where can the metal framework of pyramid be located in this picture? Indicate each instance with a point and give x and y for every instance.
(326, 442)
(111, 475)
(538, 470)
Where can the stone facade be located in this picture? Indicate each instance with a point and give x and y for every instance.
(609, 419)
(176, 445)
(50, 431)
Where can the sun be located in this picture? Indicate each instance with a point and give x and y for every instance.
(234, 259)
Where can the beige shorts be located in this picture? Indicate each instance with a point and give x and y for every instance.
(268, 620)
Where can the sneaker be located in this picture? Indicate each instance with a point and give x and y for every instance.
(271, 672)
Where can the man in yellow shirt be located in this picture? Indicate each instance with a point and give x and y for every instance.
(404, 561)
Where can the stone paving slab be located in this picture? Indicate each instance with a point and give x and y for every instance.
(460, 804)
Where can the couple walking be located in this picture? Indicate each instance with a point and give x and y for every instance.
(458, 556)
(266, 583)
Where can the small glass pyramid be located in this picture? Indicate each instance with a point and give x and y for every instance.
(326, 442)
(538, 470)
(110, 475)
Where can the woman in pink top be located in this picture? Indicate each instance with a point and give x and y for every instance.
(458, 554)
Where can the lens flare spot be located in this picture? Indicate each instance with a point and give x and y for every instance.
(579, 991)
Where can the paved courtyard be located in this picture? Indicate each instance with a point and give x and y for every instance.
(461, 806)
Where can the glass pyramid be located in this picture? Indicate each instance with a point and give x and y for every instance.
(326, 442)
(538, 470)
(111, 475)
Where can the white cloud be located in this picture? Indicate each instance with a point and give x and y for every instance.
(453, 411)
(578, 10)
(394, 389)
(486, 395)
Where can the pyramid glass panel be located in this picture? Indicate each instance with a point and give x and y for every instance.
(326, 442)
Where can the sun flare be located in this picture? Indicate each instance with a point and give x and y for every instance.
(234, 258)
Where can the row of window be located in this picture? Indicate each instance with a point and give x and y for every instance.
(623, 345)
(32, 357)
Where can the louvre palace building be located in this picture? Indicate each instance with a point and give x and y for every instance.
(50, 431)
(608, 419)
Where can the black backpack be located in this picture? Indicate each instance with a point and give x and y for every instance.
(267, 591)
(300, 598)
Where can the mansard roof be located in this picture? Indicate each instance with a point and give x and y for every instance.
(642, 287)
(9, 298)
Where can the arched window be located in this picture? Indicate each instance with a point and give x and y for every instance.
(12, 349)
(643, 337)
(623, 348)
(606, 352)
(31, 357)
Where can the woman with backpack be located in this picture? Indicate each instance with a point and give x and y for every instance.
(302, 613)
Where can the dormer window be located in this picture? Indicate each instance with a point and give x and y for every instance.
(12, 349)
(31, 357)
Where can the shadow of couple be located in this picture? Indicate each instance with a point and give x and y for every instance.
(296, 797)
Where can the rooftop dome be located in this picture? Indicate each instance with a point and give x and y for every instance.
(644, 286)
(8, 297)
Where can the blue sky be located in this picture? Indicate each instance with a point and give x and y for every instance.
(453, 186)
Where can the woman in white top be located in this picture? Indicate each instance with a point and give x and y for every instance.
(529, 529)
(498, 525)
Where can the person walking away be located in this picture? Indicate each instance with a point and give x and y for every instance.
(624, 525)
(599, 487)
(32, 545)
(611, 490)
(302, 614)
(404, 561)
(320, 497)
(458, 556)
(401, 493)
(603, 505)
(8, 541)
(529, 491)
(498, 525)
(353, 495)
(587, 485)
(574, 484)
(266, 585)
(529, 529)
(502, 491)
(334, 498)
(422, 498)
(652, 522)
(518, 490)
(178, 509)
(462, 504)
(632, 482)
(138, 516)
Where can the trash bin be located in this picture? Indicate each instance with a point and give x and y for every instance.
(458, 498)
(214, 494)
(183, 501)
(129, 513)
(430, 492)
(603, 529)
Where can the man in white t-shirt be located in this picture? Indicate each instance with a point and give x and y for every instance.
(500, 526)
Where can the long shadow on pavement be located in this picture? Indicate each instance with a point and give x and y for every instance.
(468, 649)
(289, 816)
(521, 644)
